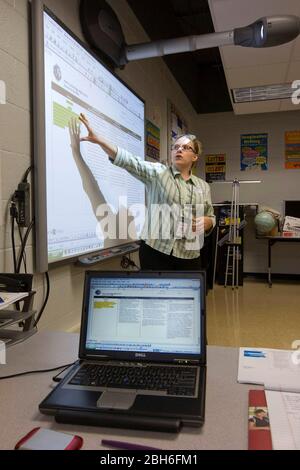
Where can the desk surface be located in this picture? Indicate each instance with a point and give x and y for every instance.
(226, 401)
(279, 238)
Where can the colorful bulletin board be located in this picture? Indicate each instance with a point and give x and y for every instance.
(215, 167)
(152, 141)
(254, 151)
(292, 150)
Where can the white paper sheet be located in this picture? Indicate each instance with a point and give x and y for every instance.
(8, 298)
(284, 414)
(276, 369)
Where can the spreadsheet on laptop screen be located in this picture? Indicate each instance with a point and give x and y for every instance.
(145, 315)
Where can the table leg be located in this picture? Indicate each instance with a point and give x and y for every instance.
(269, 263)
(216, 256)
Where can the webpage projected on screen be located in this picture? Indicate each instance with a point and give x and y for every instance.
(145, 315)
(78, 182)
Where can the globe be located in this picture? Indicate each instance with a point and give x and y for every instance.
(265, 222)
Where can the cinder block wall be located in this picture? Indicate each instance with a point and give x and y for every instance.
(150, 79)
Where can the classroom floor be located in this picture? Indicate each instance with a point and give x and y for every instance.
(254, 315)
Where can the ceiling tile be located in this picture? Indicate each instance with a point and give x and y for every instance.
(228, 14)
(237, 56)
(268, 74)
(287, 105)
(293, 71)
(245, 66)
(257, 107)
(296, 50)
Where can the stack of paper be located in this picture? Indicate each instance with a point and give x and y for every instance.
(276, 369)
(284, 414)
(279, 371)
(9, 298)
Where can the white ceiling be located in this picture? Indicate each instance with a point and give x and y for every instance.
(246, 67)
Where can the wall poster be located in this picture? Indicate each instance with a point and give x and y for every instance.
(292, 150)
(152, 141)
(215, 167)
(254, 152)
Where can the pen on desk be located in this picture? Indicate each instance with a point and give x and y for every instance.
(126, 445)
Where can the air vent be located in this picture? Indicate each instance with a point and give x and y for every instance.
(280, 91)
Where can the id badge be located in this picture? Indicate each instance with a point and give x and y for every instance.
(182, 228)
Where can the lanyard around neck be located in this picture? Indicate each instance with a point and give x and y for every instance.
(179, 192)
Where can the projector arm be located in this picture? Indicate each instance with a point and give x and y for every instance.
(104, 33)
(265, 32)
(177, 45)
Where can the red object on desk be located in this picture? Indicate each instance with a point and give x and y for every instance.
(291, 234)
(259, 438)
(46, 439)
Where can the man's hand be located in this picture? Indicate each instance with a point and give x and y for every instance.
(201, 224)
(92, 136)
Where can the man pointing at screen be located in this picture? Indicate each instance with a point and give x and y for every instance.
(171, 191)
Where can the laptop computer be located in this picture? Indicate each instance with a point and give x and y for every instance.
(142, 353)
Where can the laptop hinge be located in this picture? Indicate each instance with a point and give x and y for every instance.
(186, 361)
(111, 359)
(92, 358)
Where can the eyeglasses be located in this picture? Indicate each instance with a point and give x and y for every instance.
(184, 147)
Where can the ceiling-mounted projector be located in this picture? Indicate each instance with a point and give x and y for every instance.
(268, 31)
(103, 31)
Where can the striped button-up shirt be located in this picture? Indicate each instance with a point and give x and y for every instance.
(166, 188)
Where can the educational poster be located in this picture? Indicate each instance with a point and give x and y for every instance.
(215, 167)
(292, 150)
(177, 125)
(254, 152)
(152, 141)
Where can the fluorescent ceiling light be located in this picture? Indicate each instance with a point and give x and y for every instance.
(281, 91)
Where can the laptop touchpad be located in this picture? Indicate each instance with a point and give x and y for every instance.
(116, 400)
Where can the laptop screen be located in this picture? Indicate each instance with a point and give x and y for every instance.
(144, 315)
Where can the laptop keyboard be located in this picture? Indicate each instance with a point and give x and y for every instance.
(173, 380)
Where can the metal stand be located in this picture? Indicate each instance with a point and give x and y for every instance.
(216, 255)
(233, 250)
(233, 239)
(25, 319)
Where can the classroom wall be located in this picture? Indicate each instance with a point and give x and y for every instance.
(220, 133)
(150, 79)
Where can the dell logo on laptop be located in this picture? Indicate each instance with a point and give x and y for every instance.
(140, 355)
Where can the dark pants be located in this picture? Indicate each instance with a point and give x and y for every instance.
(154, 260)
